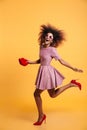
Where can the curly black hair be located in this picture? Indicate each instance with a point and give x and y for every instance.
(58, 35)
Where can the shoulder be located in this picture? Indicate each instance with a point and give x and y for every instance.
(53, 49)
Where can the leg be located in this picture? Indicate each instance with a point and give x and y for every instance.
(54, 93)
(38, 101)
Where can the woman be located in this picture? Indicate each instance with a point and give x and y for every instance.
(48, 78)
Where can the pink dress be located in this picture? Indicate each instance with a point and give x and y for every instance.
(48, 77)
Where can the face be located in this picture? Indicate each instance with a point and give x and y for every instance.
(49, 38)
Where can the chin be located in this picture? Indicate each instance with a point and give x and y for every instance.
(47, 42)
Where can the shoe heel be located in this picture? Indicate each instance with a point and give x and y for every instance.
(76, 83)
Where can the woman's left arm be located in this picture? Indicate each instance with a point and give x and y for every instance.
(69, 66)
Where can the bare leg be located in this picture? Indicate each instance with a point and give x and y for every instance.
(38, 101)
(54, 93)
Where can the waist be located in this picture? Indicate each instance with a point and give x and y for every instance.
(45, 65)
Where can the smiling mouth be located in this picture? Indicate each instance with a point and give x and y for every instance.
(47, 40)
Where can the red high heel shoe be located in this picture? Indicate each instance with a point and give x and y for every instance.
(40, 122)
(76, 83)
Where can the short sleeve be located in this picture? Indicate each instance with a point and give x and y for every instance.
(55, 54)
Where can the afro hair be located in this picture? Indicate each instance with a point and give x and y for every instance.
(58, 35)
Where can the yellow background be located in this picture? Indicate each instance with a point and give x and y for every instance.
(20, 22)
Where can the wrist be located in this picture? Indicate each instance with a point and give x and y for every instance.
(75, 69)
(28, 61)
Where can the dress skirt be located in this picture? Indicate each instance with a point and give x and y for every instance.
(48, 77)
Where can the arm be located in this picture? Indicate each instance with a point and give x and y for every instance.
(34, 62)
(69, 66)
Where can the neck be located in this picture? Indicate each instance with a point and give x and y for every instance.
(46, 46)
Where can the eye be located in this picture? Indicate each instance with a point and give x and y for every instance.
(51, 37)
(46, 35)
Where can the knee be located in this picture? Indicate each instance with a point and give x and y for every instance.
(36, 94)
(51, 95)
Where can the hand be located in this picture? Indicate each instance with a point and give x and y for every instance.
(78, 70)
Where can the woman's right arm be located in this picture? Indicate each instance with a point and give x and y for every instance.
(34, 62)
